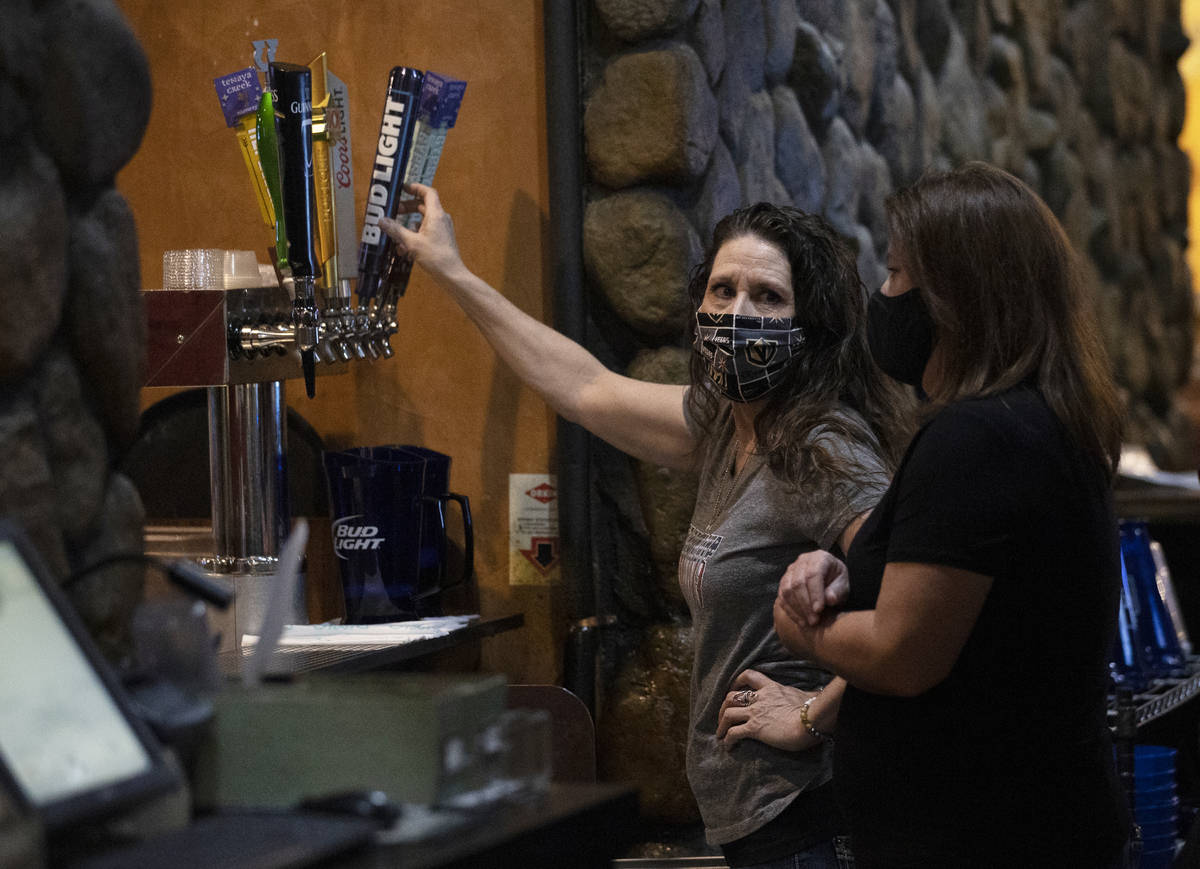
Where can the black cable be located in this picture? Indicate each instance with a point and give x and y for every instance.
(188, 575)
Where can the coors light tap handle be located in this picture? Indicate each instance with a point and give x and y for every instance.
(387, 176)
(293, 84)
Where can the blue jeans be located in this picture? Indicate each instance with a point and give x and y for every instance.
(833, 854)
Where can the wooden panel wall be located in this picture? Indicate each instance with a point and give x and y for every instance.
(443, 389)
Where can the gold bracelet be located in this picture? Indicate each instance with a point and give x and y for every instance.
(824, 737)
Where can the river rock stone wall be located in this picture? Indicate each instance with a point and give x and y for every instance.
(75, 93)
(694, 107)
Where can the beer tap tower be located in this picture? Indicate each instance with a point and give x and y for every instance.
(242, 341)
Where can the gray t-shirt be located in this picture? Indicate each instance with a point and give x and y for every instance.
(746, 529)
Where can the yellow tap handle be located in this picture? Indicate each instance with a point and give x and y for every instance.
(247, 135)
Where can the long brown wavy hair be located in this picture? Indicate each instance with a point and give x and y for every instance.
(833, 367)
(1007, 297)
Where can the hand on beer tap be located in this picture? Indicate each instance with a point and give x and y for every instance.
(432, 245)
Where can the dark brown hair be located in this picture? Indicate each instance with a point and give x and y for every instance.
(1007, 297)
(833, 367)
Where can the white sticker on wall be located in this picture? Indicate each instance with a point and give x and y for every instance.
(533, 544)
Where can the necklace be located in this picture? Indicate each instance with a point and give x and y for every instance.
(731, 475)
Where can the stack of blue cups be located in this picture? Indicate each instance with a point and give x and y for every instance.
(1156, 806)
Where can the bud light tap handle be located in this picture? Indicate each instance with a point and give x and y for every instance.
(387, 176)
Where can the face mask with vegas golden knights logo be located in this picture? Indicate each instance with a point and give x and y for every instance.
(746, 356)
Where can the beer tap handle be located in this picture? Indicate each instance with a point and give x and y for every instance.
(293, 83)
(398, 272)
(387, 177)
(268, 157)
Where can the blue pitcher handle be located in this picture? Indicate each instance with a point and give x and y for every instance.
(464, 505)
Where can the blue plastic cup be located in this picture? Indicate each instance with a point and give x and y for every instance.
(1162, 832)
(1158, 799)
(1159, 857)
(1151, 759)
(1154, 781)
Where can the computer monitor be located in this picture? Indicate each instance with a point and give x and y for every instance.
(70, 745)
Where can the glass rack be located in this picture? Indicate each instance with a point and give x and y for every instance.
(1163, 695)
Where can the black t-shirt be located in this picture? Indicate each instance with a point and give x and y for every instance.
(1008, 761)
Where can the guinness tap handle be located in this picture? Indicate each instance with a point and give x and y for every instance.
(293, 84)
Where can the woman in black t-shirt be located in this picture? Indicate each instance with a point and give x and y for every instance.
(983, 588)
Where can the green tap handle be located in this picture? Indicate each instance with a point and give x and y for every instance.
(268, 156)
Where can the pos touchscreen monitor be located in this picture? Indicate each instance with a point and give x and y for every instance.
(70, 746)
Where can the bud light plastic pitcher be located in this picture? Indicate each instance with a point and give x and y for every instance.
(389, 530)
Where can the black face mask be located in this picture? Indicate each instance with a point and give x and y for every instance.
(746, 356)
(900, 334)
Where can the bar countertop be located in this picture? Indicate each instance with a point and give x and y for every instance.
(576, 825)
(330, 659)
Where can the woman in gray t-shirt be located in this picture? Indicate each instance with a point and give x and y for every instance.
(793, 431)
